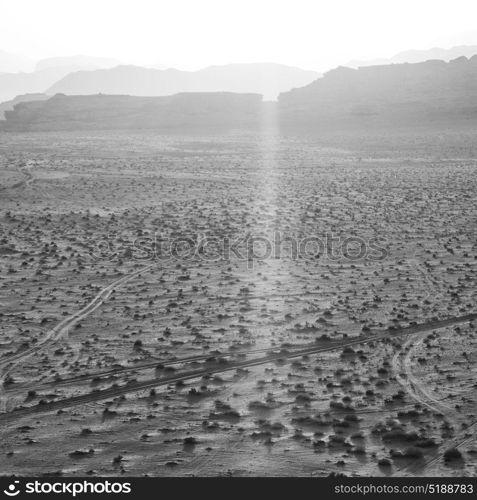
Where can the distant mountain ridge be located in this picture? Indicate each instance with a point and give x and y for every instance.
(267, 79)
(38, 78)
(416, 56)
(14, 84)
(80, 61)
(47, 72)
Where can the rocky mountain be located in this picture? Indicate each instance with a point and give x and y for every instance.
(266, 79)
(9, 105)
(428, 94)
(433, 92)
(177, 112)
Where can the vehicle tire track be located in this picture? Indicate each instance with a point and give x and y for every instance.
(100, 395)
(61, 329)
(414, 387)
(25, 170)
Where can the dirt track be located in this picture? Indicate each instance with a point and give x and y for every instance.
(101, 395)
(61, 329)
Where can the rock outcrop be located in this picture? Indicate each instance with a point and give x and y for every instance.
(429, 93)
(181, 111)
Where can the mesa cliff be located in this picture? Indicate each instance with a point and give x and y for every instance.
(428, 93)
(131, 112)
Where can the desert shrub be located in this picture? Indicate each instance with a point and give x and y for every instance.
(413, 452)
(452, 454)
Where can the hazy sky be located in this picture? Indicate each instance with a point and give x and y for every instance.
(189, 34)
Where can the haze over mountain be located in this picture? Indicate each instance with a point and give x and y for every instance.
(15, 84)
(12, 63)
(81, 75)
(267, 79)
(432, 93)
(78, 62)
(45, 74)
(416, 56)
(428, 93)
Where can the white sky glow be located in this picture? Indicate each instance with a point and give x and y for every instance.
(190, 34)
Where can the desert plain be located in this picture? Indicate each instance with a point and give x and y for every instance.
(127, 347)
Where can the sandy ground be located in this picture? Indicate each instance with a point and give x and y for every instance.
(112, 360)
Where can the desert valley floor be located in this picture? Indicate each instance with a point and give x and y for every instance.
(115, 360)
